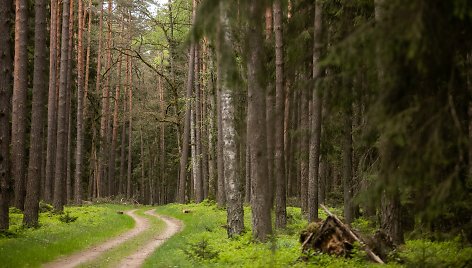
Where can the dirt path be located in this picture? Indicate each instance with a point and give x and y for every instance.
(173, 226)
(135, 260)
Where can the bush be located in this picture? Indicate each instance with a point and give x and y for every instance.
(201, 250)
(45, 207)
(424, 253)
(67, 218)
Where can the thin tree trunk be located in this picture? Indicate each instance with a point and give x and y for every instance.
(316, 119)
(304, 145)
(142, 188)
(80, 106)
(130, 124)
(281, 186)
(186, 134)
(97, 90)
(52, 108)
(261, 219)
(68, 109)
(347, 166)
(61, 122)
(270, 106)
(20, 91)
(6, 67)
(221, 193)
(197, 124)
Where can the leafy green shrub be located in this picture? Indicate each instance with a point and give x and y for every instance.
(67, 218)
(45, 207)
(201, 250)
(14, 210)
(424, 253)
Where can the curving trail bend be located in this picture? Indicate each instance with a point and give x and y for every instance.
(173, 226)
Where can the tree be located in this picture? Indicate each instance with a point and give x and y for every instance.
(279, 161)
(37, 123)
(20, 90)
(234, 198)
(186, 133)
(6, 66)
(61, 113)
(52, 106)
(80, 105)
(260, 198)
(316, 118)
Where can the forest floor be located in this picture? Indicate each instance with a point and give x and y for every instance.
(101, 237)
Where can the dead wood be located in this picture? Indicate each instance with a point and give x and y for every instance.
(332, 236)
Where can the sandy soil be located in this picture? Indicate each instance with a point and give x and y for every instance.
(135, 260)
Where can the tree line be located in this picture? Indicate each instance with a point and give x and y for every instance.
(361, 104)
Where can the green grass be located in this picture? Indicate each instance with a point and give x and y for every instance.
(33, 247)
(114, 256)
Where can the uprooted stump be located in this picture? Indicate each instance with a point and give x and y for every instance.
(333, 237)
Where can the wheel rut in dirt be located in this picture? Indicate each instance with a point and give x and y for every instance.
(136, 259)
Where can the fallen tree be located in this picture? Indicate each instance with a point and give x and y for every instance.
(332, 236)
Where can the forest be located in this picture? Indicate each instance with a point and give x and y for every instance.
(271, 133)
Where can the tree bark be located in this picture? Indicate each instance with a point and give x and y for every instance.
(37, 123)
(221, 194)
(80, 106)
(52, 107)
(234, 198)
(261, 220)
(130, 124)
(316, 119)
(280, 175)
(6, 66)
(304, 152)
(197, 123)
(61, 122)
(270, 106)
(347, 166)
(97, 89)
(20, 91)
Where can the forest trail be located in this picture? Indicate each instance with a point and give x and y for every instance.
(136, 259)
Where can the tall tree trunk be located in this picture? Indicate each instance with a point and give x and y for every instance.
(221, 193)
(198, 141)
(316, 119)
(186, 134)
(97, 90)
(80, 106)
(234, 198)
(20, 91)
(347, 166)
(212, 167)
(6, 66)
(279, 164)
(68, 107)
(130, 124)
(270, 118)
(261, 220)
(114, 136)
(61, 122)
(390, 218)
(52, 108)
(304, 145)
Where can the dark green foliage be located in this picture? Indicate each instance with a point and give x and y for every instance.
(67, 218)
(45, 207)
(201, 250)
